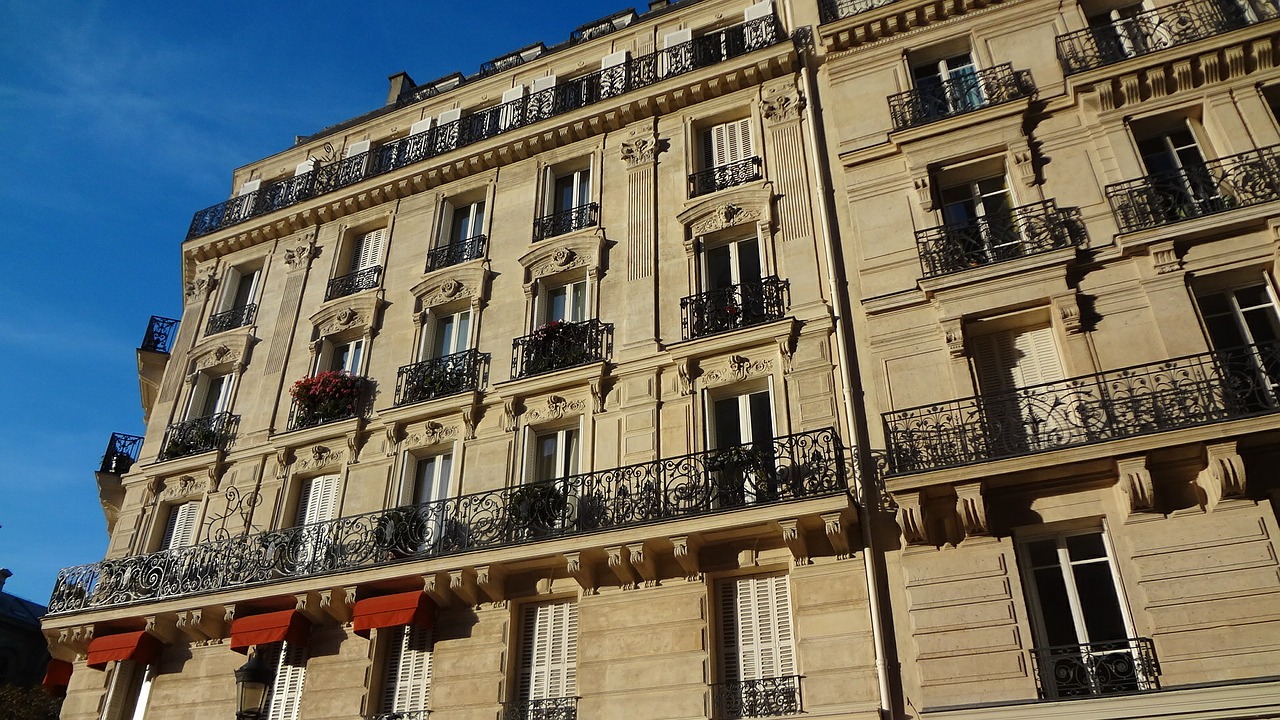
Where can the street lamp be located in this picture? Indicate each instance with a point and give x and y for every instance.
(252, 680)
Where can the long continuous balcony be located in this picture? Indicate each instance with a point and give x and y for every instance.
(159, 336)
(560, 345)
(734, 307)
(564, 222)
(1019, 232)
(199, 435)
(793, 467)
(1100, 668)
(937, 100)
(1183, 392)
(562, 708)
(568, 96)
(839, 9)
(1237, 181)
(231, 319)
(352, 283)
(1168, 26)
(768, 697)
(121, 454)
(456, 253)
(440, 377)
(723, 177)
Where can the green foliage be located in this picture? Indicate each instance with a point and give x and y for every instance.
(33, 703)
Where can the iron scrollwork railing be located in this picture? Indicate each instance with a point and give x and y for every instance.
(792, 467)
(121, 454)
(159, 337)
(440, 377)
(560, 345)
(1237, 181)
(199, 435)
(569, 95)
(840, 9)
(350, 284)
(1168, 26)
(1099, 668)
(935, 99)
(1019, 232)
(564, 708)
(767, 697)
(723, 177)
(456, 253)
(400, 715)
(1183, 392)
(566, 221)
(734, 307)
(310, 414)
(231, 319)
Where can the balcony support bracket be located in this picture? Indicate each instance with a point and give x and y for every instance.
(581, 570)
(793, 536)
(686, 549)
(1223, 476)
(837, 535)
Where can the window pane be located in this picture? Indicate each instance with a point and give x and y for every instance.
(719, 263)
(728, 425)
(761, 417)
(748, 260)
(557, 304)
(545, 461)
(1043, 553)
(1097, 595)
(1059, 628)
(569, 462)
(1086, 547)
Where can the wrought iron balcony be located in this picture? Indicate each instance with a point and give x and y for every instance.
(345, 403)
(456, 253)
(1020, 232)
(566, 221)
(559, 345)
(569, 95)
(199, 435)
(1183, 392)
(940, 99)
(159, 337)
(724, 176)
(353, 283)
(768, 697)
(565, 708)
(840, 9)
(793, 467)
(121, 454)
(1101, 668)
(231, 319)
(401, 715)
(440, 377)
(734, 307)
(1168, 26)
(1237, 181)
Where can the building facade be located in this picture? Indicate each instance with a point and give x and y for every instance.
(620, 378)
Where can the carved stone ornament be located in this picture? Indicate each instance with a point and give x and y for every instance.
(578, 251)
(735, 368)
(202, 283)
(1165, 259)
(1134, 484)
(725, 216)
(299, 256)
(182, 488)
(556, 408)
(783, 103)
(640, 150)
(433, 433)
(352, 313)
(226, 349)
(924, 192)
(320, 456)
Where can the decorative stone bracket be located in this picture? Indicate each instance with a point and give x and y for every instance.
(1223, 477)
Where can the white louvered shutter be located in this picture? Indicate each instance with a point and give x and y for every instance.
(755, 629)
(1010, 360)
(181, 523)
(407, 684)
(727, 143)
(286, 690)
(367, 251)
(317, 500)
(550, 651)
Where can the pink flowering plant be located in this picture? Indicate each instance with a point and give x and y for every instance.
(549, 330)
(330, 395)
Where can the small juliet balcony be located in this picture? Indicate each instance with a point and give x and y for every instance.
(832, 10)
(327, 397)
(1093, 669)
(400, 715)
(960, 94)
(734, 307)
(199, 435)
(440, 377)
(352, 283)
(1238, 181)
(159, 336)
(456, 253)
(560, 345)
(231, 319)
(767, 697)
(566, 221)
(1019, 232)
(562, 708)
(121, 454)
(1147, 32)
(723, 177)
(1212, 387)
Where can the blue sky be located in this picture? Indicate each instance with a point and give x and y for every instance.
(118, 120)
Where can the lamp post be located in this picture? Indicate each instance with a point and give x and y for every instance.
(252, 680)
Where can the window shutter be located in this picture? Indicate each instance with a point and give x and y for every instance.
(542, 83)
(367, 251)
(317, 500)
(249, 186)
(407, 685)
(757, 11)
(449, 116)
(1038, 359)
(550, 653)
(756, 639)
(286, 691)
(421, 126)
(178, 530)
(995, 360)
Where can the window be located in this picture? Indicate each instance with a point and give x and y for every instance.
(1179, 179)
(465, 222)
(211, 395)
(978, 213)
(317, 504)
(566, 303)
(742, 419)
(432, 476)
(555, 454)
(285, 694)
(727, 158)
(1009, 361)
(757, 668)
(1120, 33)
(342, 356)
(364, 266)
(128, 692)
(548, 667)
(743, 470)
(366, 251)
(237, 307)
(449, 334)
(567, 205)
(731, 263)
(179, 528)
(570, 190)
(406, 683)
(1243, 325)
(948, 84)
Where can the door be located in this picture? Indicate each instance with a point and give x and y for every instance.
(742, 465)
(1243, 326)
(549, 657)
(432, 477)
(978, 215)
(312, 541)
(1020, 414)
(948, 86)
(757, 648)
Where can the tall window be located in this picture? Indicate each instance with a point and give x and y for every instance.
(742, 419)
(285, 694)
(317, 503)
(366, 251)
(237, 307)
(431, 478)
(756, 648)
(406, 683)
(179, 528)
(465, 222)
(566, 303)
(212, 395)
(948, 84)
(570, 190)
(343, 356)
(548, 653)
(1012, 360)
(555, 454)
(129, 691)
(727, 143)
(979, 214)
(1119, 33)
(731, 263)
(743, 467)
(449, 334)
(1243, 325)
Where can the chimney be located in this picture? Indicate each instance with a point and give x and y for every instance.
(401, 83)
(657, 4)
(4, 575)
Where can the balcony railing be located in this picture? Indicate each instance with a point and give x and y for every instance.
(330, 409)
(199, 435)
(440, 377)
(401, 715)
(565, 708)
(840, 9)
(794, 467)
(1100, 668)
(1183, 392)
(1250, 178)
(560, 345)
(1175, 24)
(566, 221)
(366, 279)
(1019, 232)
(935, 99)
(121, 454)
(456, 253)
(769, 697)
(734, 307)
(231, 319)
(723, 177)
(159, 337)
(569, 95)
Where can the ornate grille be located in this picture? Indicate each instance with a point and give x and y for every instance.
(1101, 668)
(456, 253)
(839, 9)
(547, 709)
(1019, 232)
(231, 319)
(568, 96)
(1182, 392)
(560, 345)
(1175, 24)
(769, 697)
(401, 715)
(304, 415)
(724, 176)
(734, 307)
(199, 435)
(1250, 178)
(345, 285)
(566, 221)
(962, 93)
(440, 377)
(159, 335)
(121, 454)
(792, 467)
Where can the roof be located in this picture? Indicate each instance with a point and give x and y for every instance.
(22, 612)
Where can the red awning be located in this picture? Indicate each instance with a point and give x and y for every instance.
(268, 628)
(57, 677)
(136, 646)
(411, 608)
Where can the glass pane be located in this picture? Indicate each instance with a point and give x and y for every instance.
(1262, 324)
(1097, 596)
(563, 198)
(1215, 304)
(212, 396)
(557, 304)
(444, 337)
(1059, 628)
(545, 462)
(728, 423)
(579, 307)
(584, 188)
(569, 465)
(1224, 332)
(1043, 553)
(1252, 296)
(244, 291)
(748, 260)
(719, 263)
(1086, 547)
(462, 337)
(761, 417)
(424, 490)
